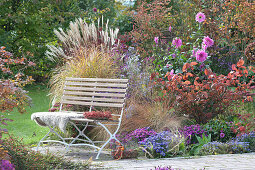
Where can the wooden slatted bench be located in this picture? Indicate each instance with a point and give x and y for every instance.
(94, 93)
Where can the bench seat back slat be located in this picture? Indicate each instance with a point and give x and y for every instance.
(78, 93)
(95, 89)
(95, 84)
(99, 99)
(92, 103)
(95, 92)
(97, 80)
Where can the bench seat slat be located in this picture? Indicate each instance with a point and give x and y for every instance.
(91, 120)
(93, 99)
(92, 103)
(96, 89)
(97, 80)
(78, 93)
(95, 84)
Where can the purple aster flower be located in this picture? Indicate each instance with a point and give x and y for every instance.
(173, 55)
(201, 56)
(208, 41)
(222, 135)
(177, 42)
(200, 17)
(5, 164)
(170, 28)
(156, 40)
(94, 9)
(202, 66)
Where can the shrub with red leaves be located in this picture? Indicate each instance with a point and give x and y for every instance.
(202, 98)
(97, 115)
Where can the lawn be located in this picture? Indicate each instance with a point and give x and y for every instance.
(22, 126)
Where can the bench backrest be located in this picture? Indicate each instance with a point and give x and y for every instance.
(95, 92)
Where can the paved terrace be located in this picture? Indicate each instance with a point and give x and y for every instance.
(212, 162)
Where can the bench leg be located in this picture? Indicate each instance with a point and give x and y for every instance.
(81, 133)
(112, 136)
(51, 131)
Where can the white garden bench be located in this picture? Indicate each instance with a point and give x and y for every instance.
(92, 92)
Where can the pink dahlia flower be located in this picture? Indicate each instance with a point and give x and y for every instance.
(177, 42)
(194, 51)
(156, 40)
(204, 46)
(200, 17)
(172, 72)
(208, 41)
(94, 9)
(201, 56)
(170, 28)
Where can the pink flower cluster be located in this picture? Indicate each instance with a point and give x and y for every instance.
(177, 42)
(200, 17)
(201, 55)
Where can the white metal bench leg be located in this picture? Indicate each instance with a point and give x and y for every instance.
(112, 136)
(52, 131)
(81, 133)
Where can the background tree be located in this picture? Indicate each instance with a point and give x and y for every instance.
(26, 27)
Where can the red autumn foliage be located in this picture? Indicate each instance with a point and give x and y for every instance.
(202, 98)
(149, 20)
(97, 115)
(244, 124)
(11, 94)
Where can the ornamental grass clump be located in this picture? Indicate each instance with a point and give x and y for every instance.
(24, 158)
(141, 113)
(86, 51)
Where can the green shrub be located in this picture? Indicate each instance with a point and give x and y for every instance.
(195, 148)
(220, 130)
(24, 158)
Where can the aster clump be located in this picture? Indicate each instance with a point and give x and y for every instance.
(247, 138)
(200, 17)
(190, 133)
(162, 144)
(214, 148)
(6, 165)
(201, 55)
(140, 134)
(177, 42)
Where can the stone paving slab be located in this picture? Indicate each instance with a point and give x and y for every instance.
(211, 162)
